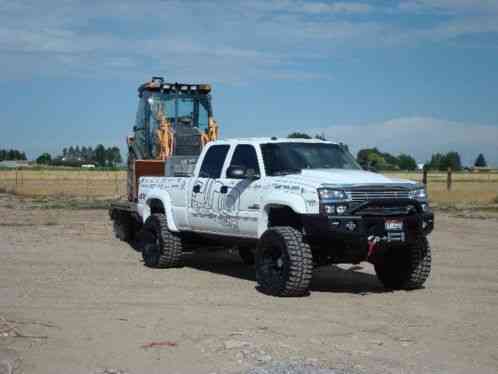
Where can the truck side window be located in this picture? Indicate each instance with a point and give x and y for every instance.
(245, 155)
(213, 161)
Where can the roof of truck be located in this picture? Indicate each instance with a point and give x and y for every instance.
(271, 140)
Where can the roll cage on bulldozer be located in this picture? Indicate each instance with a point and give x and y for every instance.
(173, 119)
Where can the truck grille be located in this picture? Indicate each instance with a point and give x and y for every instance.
(359, 195)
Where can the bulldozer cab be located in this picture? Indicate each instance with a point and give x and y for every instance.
(173, 122)
(185, 107)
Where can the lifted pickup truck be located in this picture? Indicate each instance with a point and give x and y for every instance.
(288, 205)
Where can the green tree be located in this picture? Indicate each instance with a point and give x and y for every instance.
(117, 155)
(406, 162)
(70, 153)
(378, 162)
(320, 136)
(44, 159)
(371, 157)
(299, 135)
(480, 161)
(453, 161)
(436, 162)
(100, 155)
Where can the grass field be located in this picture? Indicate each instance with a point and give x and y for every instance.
(88, 184)
(467, 188)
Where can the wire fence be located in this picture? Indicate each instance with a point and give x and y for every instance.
(90, 184)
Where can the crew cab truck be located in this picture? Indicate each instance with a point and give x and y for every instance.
(288, 205)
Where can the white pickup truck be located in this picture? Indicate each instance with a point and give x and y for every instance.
(288, 205)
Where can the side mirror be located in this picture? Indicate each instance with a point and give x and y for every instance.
(236, 172)
(251, 174)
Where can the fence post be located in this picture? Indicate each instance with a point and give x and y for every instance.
(424, 177)
(448, 179)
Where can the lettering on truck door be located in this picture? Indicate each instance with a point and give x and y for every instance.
(206, 191)
(239, 206)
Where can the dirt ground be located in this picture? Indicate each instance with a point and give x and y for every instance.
(75, 300)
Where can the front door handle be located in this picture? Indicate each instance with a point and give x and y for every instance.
(224, 189)
(197, 188)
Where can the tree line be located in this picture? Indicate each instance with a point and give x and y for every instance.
(76, 156)
(373, 158)
(12, 155)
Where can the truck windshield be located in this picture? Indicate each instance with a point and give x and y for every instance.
(288, 158)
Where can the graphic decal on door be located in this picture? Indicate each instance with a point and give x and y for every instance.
(212, 204)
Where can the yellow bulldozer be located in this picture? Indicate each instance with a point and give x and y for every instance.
(174, 121)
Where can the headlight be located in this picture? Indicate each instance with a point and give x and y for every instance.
(332, 195)
(420, 194)
(332, 201)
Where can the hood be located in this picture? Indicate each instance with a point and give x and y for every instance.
(345, 178)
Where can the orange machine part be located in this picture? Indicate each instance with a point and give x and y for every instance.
(148, 168)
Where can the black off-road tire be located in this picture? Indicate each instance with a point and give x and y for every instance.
(284, 262)
(405, 268)
(161, 247)
(124, 229)
(246, 255)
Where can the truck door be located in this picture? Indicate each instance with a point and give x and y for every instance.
(206, 191)
(240, 204)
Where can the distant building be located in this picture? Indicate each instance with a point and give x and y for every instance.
(88, 166)
(420, 166)
(13, 164)
(480, 169)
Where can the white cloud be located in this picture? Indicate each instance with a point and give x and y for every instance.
(336, 7)
(450, 6)
(228, 40)
(419, 136)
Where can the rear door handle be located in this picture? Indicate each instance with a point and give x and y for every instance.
(224, 189)
(197, 188)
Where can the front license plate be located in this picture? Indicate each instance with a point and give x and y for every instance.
(394, 225)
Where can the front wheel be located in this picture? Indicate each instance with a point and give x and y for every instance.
(405, 268)
(284, 262)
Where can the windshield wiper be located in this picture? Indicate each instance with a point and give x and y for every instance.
(286, 172)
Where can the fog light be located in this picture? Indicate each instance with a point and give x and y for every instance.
(351, 226)
(341, 209)
(424, 207)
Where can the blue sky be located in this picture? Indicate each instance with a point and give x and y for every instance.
(405, 76)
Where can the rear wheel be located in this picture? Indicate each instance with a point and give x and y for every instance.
(123, 229)
(405, 268)
(161, 248)
(284, 263)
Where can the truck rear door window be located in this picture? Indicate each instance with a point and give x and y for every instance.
(213, 161)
